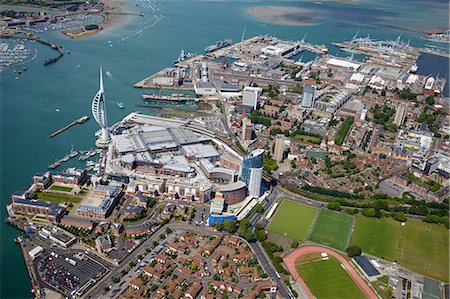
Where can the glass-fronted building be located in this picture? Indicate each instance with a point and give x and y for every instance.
(252, 169)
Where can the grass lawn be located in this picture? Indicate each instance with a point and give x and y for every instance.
(292, 219)
(332, 228)
(419, 246)
(327, 279)
(61, 188)
(57, 198)
(307, 138)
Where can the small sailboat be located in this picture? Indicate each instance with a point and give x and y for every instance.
(78, 66)
(120, 105)
(57, 110)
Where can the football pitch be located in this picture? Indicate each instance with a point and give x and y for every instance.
(419, 246)
(292, 219)
(326, 279)
(332, 229)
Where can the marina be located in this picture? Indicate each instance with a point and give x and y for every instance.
(21, 35)
(15, 56)
(77, 121)
(85, 155)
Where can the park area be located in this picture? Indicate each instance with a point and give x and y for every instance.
(419, 246)
(293, 220)
(61, 188)
(332, 229)
(57, 198)
(326, 278)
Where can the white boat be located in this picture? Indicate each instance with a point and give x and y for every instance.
(120, 105)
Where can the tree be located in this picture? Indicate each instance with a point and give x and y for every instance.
(336, 206)
(230, 226)
(261, 235)
(370, 212)
(244, 223)
(168, 231)
(293, 164)
(246, 233)
(429, 100)
(400, 216)
(219, 226)
(445, 220)
(194, 267)
(259, 208)
(432, 219)
(353, 251)
(407, 94)
(294, 244)
(91, 27)
(343, 130)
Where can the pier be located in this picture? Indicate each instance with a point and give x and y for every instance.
(78, 121)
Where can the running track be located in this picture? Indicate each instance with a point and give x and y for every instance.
(289, 261)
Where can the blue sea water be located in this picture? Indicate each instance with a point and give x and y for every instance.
(140, 47)
(435, 66)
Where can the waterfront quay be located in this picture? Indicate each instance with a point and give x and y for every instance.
(265, 61)
(231, 67)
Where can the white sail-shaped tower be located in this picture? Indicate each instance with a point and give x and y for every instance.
(99, 113)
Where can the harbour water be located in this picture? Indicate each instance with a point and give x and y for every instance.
(435, 66)
(130, 52)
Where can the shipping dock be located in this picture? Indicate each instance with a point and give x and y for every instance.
(78, 121)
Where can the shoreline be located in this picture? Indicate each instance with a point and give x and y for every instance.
(113, 15)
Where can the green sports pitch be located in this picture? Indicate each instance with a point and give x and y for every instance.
(332, 229)
(419, 246)
(326, 279)
(293, 220)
